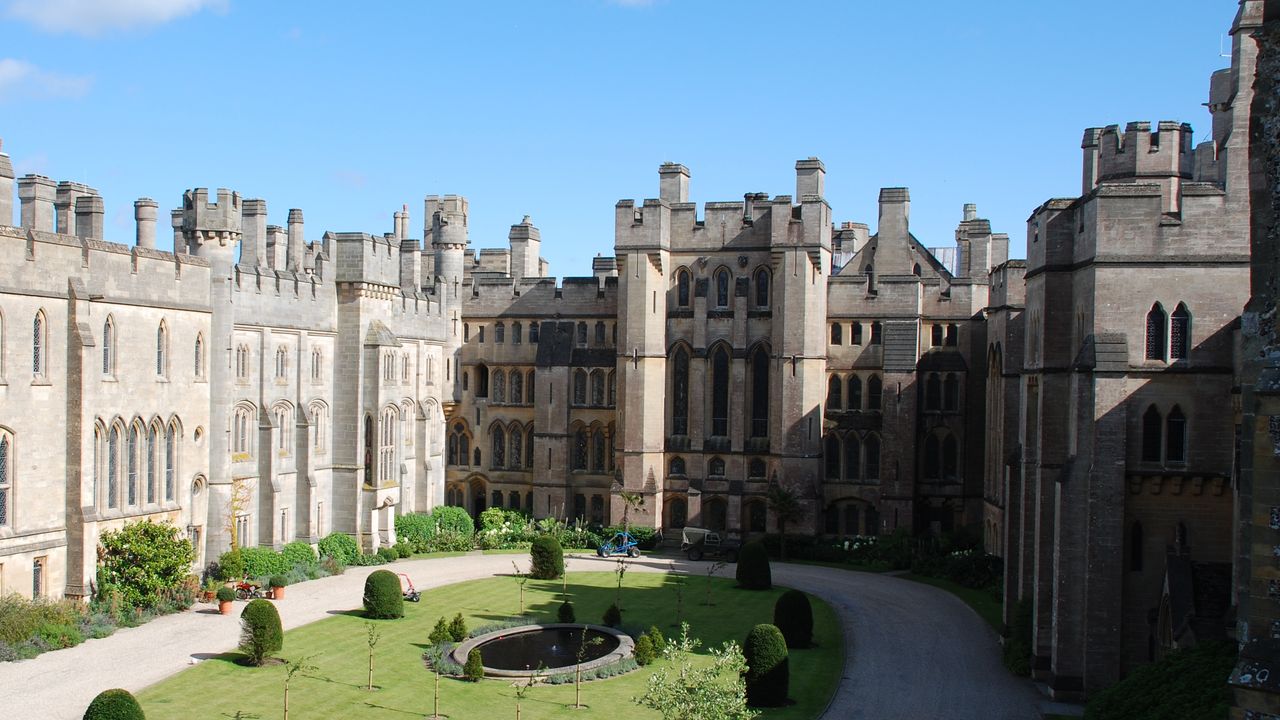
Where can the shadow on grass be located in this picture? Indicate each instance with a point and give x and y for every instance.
(350, 613)
(230, 657)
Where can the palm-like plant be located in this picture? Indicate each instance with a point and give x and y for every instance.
(785, 506)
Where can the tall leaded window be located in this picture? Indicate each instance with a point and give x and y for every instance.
(1175, 446)
(682, 287)
(6, 476)
(837, 334)
(108, 346)
(872, 450)
(874, 387)
(579, 387)
(198, 363)
(1180, 333)
(499, 387)
(1151, 431)
(517, 333)
(935, 335)
(855, 334)
(153, 448)
(597, 452)
(38, 344)
(517, 446)
(953, 335)
(517, 387)
(759, 393)
(170, 459)
(720, 393)
(613, 388)
(932, 392)
(580, 449)
(582, 334)
(135, 446)
(680, 392)
(599, 333)
(499, 333)
(97, 466)
(835, 393)
(317, 360)
(1156, 328)
(762, 288)
(597, 388)
(242, 362)
(533, 333)
(722, 288)
(529, 385)
(855, 393)
(831, 456)
(498, 448)
(162, 350)
(715, 468)
(875, 333)
(113, 468)
(852, 453)
(951, 393)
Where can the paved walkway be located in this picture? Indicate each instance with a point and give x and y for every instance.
(914, 651)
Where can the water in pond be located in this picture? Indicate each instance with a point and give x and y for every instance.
(551, 647)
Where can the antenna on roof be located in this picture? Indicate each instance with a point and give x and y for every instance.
(1221, 47)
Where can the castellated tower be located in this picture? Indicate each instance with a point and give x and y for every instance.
(446, 235)
(212, 231)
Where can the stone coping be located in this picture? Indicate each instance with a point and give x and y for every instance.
(626, 647)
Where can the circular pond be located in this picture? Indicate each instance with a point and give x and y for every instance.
(521, 651)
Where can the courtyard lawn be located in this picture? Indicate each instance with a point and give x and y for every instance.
(338, 648)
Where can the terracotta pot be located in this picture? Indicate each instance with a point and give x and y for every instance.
(277, 593)
(224, 607)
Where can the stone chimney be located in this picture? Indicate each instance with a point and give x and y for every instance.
(811, 176)
(144, 214)
(296, 241)
(89, 212)
(179, 242)
(970, 211)
(673, 183)
(526, 248)
(253, 228)
(37, 193)
(65, 205)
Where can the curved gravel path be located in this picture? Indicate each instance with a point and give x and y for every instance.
(914, 651)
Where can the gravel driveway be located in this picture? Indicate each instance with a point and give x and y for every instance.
(916, 651)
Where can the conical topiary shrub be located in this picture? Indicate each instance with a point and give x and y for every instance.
(114, 704)
(793, 615)
(260, 631)
(546, 558)
(567, 615)
(382, 598)
(473, 671)
(753, 567)
(768, 673)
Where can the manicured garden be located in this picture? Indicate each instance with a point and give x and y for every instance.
(335, 653)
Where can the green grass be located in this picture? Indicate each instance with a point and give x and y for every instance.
(981, 601)
(337, 647)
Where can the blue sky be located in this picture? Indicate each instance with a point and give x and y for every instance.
(558, 109)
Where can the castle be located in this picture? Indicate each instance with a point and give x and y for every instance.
(1075, 406)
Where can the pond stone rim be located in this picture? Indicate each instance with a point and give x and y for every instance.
(626, 648)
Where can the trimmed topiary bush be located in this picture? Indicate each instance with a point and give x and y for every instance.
(226, 594)
(382, 598)
(388, 554)
(753, 567)
(546, 557)
(768, 673)
(793, 615)
(566, 612)
(613, 616)
(339, 546)
(658, 639)
(114, 704)
(473, 671)
(458, 628)
(260, 631)
(644, 651)
(231, 565)
(440, 633)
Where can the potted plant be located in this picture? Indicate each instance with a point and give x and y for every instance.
(210, 590)
(225, 596)
(277, 584)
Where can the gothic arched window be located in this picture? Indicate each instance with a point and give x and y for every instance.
(580, 449)
(134, 450)
(498, 448)
(755, 468)
(198, 363)
(760, 393)
(113, 468)
(677, 467)
(720, 393)
(499, 333)
(499, 387)
(873, 392)
(517, 447)
(597, 388)
(762, 288)
(1175, 446)
(1180, 333)
(6, 477)
(835, 393)
(682, 288)
(38, 344)
(852, 451)
(837, 334)
(162, 350)
(597, 452)
(715, 468)
(1151, 431)
(517, 387)
(722, 288)
(108, 346)
(935, 335)
(1156, 328)
(579, 387)
(855, 393)
(831, 456)
(680, 392)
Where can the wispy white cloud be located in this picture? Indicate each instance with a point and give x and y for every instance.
(93, 17)
(20, 80)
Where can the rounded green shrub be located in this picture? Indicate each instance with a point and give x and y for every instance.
(231, 565)
(263, 562)
(114, 704)
(458, 628)
(226, 594)
(566, 612)
(452, 519)
(339, 546)
(403, 549)
(546, 557)
(473, 671)
(658, 639)
(388, 555)
(613, 616)
(299, 553)
(440, 633)
(644, 651)
(768, 674)
(793, 615)
(145, 562)
(753, 567)
(382, 598)
(260, 631)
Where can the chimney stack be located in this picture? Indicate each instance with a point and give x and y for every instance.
(253, 244)
(296, 241)
(811, 176)
(179, 242)
(144, 213)
(65, 205)
(673, 183)
(89, 212)
(37, 193)
(970, 212)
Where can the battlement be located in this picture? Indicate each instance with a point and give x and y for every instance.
(495, 296)
(1137, 153)
(446, 220)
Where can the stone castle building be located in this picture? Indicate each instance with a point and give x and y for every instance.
(1073, 408)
